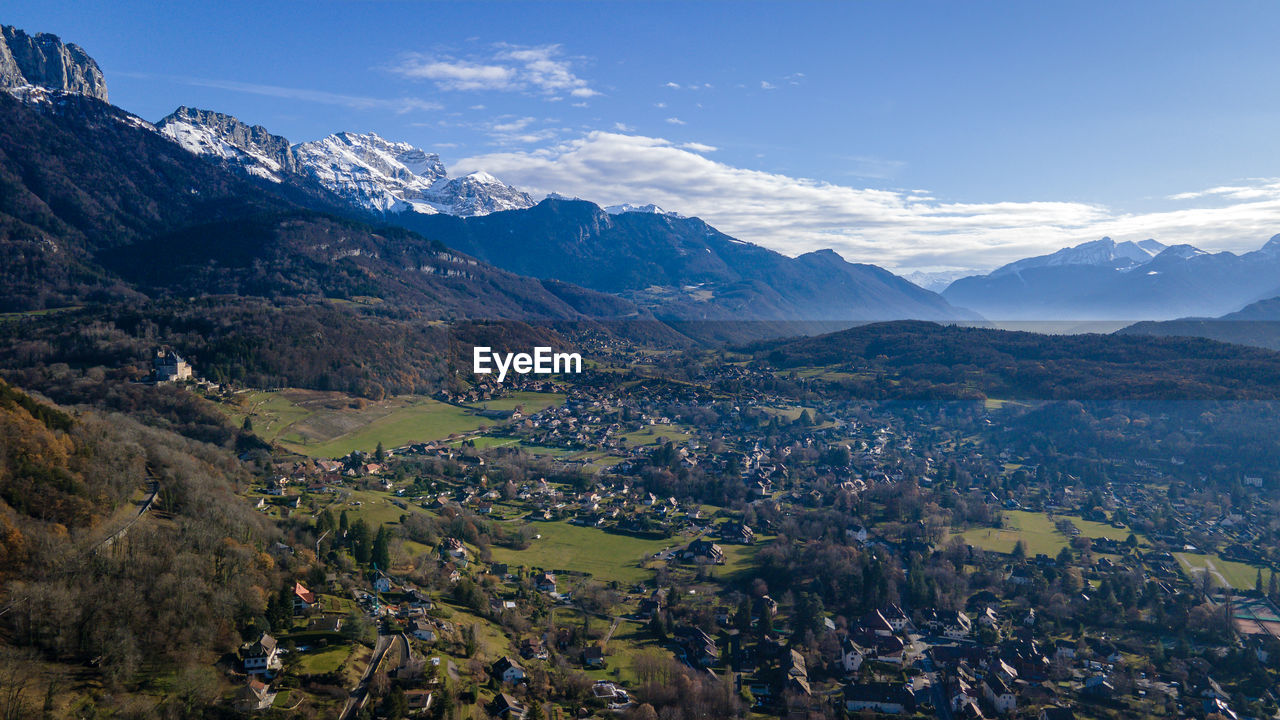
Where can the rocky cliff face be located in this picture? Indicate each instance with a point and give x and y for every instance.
(44, 60)
(205, 132)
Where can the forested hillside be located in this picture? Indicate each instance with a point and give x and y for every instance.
(172, 590)
(935, 361)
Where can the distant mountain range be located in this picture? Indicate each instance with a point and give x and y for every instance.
(97, 206)
(1106, 280)
(682, 268)
(92, 195)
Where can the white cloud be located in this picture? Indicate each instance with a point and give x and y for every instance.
(766, 85)
(623, 127)
(698, 147)
(894, 228)
(673, 86)
(539, 69)
(512, 125)
(676, 121)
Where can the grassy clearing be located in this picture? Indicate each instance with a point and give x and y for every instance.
(529, 402)
(1224, 572)
(1035, 530)
(375, 508)
(323, 424)
(325, 660)
(606, 556)
(1037, 533)
(655, 434)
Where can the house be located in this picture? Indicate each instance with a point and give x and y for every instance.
(303, 598)
(507, 670)
(532, 648)
(875, 622)
(170, 367)
(329, 624)
(453, 548)
(852, 655)
(1054, 712)
(738, 533)
(382, 582)
(857, 532)
(896, 617)
(545, 582)
(423, 630)
(881, 697)
(956, 625)
(592, 657)
(254, 696)
(262, 656)
(988, 618)
(704, 549)
(505, 706)
(1000, 695)
(419, 702)
(796, 666)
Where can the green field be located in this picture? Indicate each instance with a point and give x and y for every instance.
(655, 434)
(1037, 533)
(570, 547)
(332, 425)
(324, 660)
(1224, 572)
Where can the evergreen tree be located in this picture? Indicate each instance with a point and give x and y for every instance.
(397, 706)
(382, 548)
(361, 542)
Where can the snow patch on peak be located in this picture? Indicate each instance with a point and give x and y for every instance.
(1103, 252)
(647, 208)
(391, 177)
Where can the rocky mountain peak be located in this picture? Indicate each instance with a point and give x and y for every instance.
(253, 148)
(43, 60)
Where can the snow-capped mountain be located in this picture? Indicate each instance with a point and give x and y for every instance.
(936, 280)
(1100, 253)
(1105, 280)
(649, 208)
(365, 169)
(392, 177)
(253, 149)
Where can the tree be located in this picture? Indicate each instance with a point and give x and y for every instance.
(380, 454)
(397, 704)
(535, 710)
(361, 542)
(247, 425)
(1019, 551)
(382, 548)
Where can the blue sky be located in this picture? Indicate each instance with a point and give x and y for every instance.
(910, 134)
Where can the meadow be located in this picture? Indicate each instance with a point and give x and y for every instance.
(322, 424)
(1223, 572)
(1037, 533)
(606, 556)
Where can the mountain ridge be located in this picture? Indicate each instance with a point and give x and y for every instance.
(1104, 280)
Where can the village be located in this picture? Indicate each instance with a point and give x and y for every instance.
(640, 523)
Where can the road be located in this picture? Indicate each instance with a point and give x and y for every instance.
(153, 490)
(360, 694)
